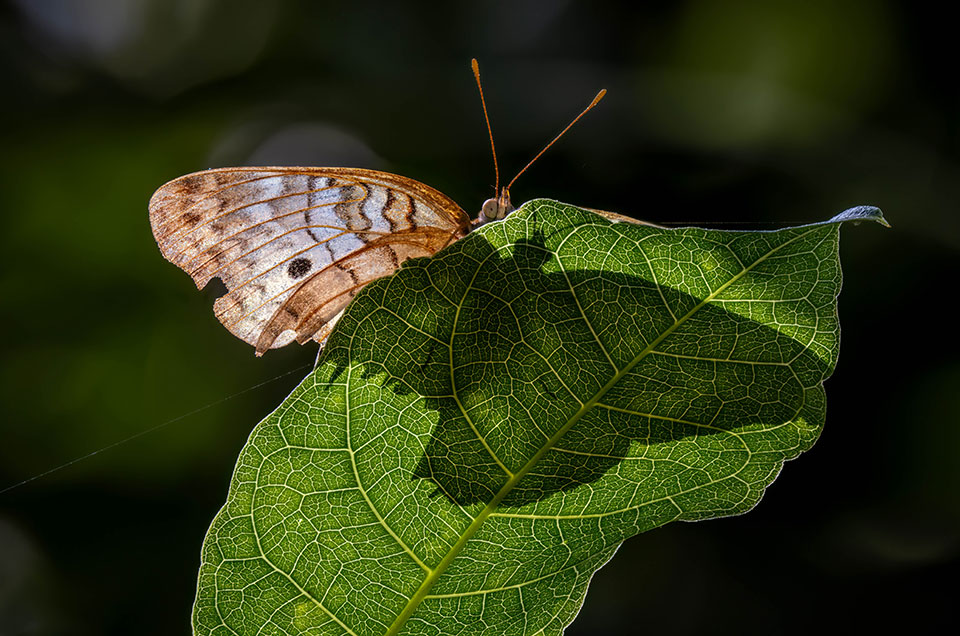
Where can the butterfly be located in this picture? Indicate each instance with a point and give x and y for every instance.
(294, 245)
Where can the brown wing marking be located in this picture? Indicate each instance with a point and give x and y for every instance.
(174, 205)
(219, 251)
(221, 212)
(301, 210)
(323, 296)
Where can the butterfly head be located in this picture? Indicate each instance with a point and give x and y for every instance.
(496, 208)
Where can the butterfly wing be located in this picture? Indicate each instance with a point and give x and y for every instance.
(294, 245)
(619, 218)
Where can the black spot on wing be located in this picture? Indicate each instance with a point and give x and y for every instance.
(299, 267)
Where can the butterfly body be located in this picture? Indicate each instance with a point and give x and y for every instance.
(294, 245)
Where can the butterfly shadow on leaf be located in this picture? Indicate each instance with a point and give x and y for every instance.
(510, 352)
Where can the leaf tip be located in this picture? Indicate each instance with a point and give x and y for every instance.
(861, 213)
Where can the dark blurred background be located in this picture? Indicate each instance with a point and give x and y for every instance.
(732, 114)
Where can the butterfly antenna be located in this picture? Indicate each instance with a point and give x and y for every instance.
(596, 100)
(496, 169)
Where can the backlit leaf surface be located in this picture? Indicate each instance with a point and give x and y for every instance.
(487, 426)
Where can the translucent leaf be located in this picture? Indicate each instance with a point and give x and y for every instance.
(488, 425)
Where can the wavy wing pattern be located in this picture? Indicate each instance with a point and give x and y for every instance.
(294, 245)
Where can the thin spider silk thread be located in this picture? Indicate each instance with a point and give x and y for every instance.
(151, 429)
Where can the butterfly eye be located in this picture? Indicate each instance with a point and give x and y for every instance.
(489, 210)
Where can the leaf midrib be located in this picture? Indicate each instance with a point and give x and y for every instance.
(514, 479)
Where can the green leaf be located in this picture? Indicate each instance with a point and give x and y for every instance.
(488, 425)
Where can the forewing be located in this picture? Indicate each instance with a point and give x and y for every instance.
(294, 245)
